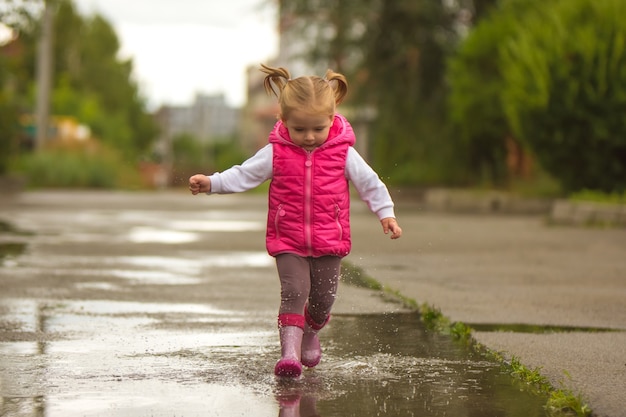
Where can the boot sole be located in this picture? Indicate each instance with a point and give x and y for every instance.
(288, 368)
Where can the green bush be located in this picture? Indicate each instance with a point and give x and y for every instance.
(599, 197)
(77, 168)
(192, 156)
(565, 90)
(475, 111)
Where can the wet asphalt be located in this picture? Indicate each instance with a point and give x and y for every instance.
(130, 303)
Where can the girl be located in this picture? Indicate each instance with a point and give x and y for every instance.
(310, 160)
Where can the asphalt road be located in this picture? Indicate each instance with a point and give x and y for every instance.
(483, 270)
(503, 270)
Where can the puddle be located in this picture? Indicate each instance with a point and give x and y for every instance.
(218, 225)
(155, 348)
(130, 358)
(390, 365)
(10, 251)
(186, 231)
(154, 235)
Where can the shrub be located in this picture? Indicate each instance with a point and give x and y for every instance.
(565, 90)
(92, 166)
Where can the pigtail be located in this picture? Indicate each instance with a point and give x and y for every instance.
(340, 85)
(276, 77)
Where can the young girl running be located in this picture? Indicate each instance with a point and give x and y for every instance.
(309, 159)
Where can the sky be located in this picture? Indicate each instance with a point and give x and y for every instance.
(183, 47)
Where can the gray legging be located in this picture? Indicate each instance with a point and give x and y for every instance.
(309, 279)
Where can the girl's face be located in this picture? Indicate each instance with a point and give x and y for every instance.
(308, 130)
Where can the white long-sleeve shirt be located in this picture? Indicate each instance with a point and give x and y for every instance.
(258, 169)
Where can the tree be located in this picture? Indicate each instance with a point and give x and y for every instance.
(406, 49)
(564, 93)
(394, 55)
(16, 74)
(475, 109)
(90, 82)
(109, 100)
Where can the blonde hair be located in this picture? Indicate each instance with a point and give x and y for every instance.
(311, 94)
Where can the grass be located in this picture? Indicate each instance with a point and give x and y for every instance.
(77, 167)
(562, 402)
(599, 197)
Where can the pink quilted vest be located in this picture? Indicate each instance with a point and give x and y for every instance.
(309, 197)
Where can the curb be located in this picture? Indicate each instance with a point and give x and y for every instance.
(580, 213)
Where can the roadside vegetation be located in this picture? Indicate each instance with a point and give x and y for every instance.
(599, 197)
(562, 402)
(525, 96)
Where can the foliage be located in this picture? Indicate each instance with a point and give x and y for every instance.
(90, 166)
(9, 128)
(561, 402)
(405, 62)
(94, 85)
(564, 90)
(90, 83)
(191, 156)
(475, 111)
(226, 153)
(15, 14)
(599, 197)
(18, 14)
(394, 55)
(540, 73)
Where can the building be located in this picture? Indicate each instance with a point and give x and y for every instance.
(209, 119)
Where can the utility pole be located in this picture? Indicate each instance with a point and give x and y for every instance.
(44, 76)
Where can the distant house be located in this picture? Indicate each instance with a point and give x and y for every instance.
(209, 119)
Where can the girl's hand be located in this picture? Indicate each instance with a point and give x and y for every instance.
(199, 184)
(391, 225)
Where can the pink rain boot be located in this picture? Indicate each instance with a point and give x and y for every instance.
(311, 349)
(290, 327)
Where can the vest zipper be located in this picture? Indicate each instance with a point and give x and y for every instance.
(339, 228)
(307, 202)
(277, 220)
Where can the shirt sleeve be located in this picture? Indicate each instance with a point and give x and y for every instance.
(368, 184)
(250, 174)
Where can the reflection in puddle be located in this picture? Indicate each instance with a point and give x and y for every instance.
(103, 307)
(153, 235)
(60, 356)
(195, 262)
(126, 399)
(154, 277)
(101, 286)
(19, 348)
(186, 231)
(390, 365)
(189, 268)
(131, 358)
(10, 251)
(217, 225)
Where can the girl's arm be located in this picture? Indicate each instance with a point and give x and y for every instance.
(373, 191)
(250, 174)
(369, 185)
